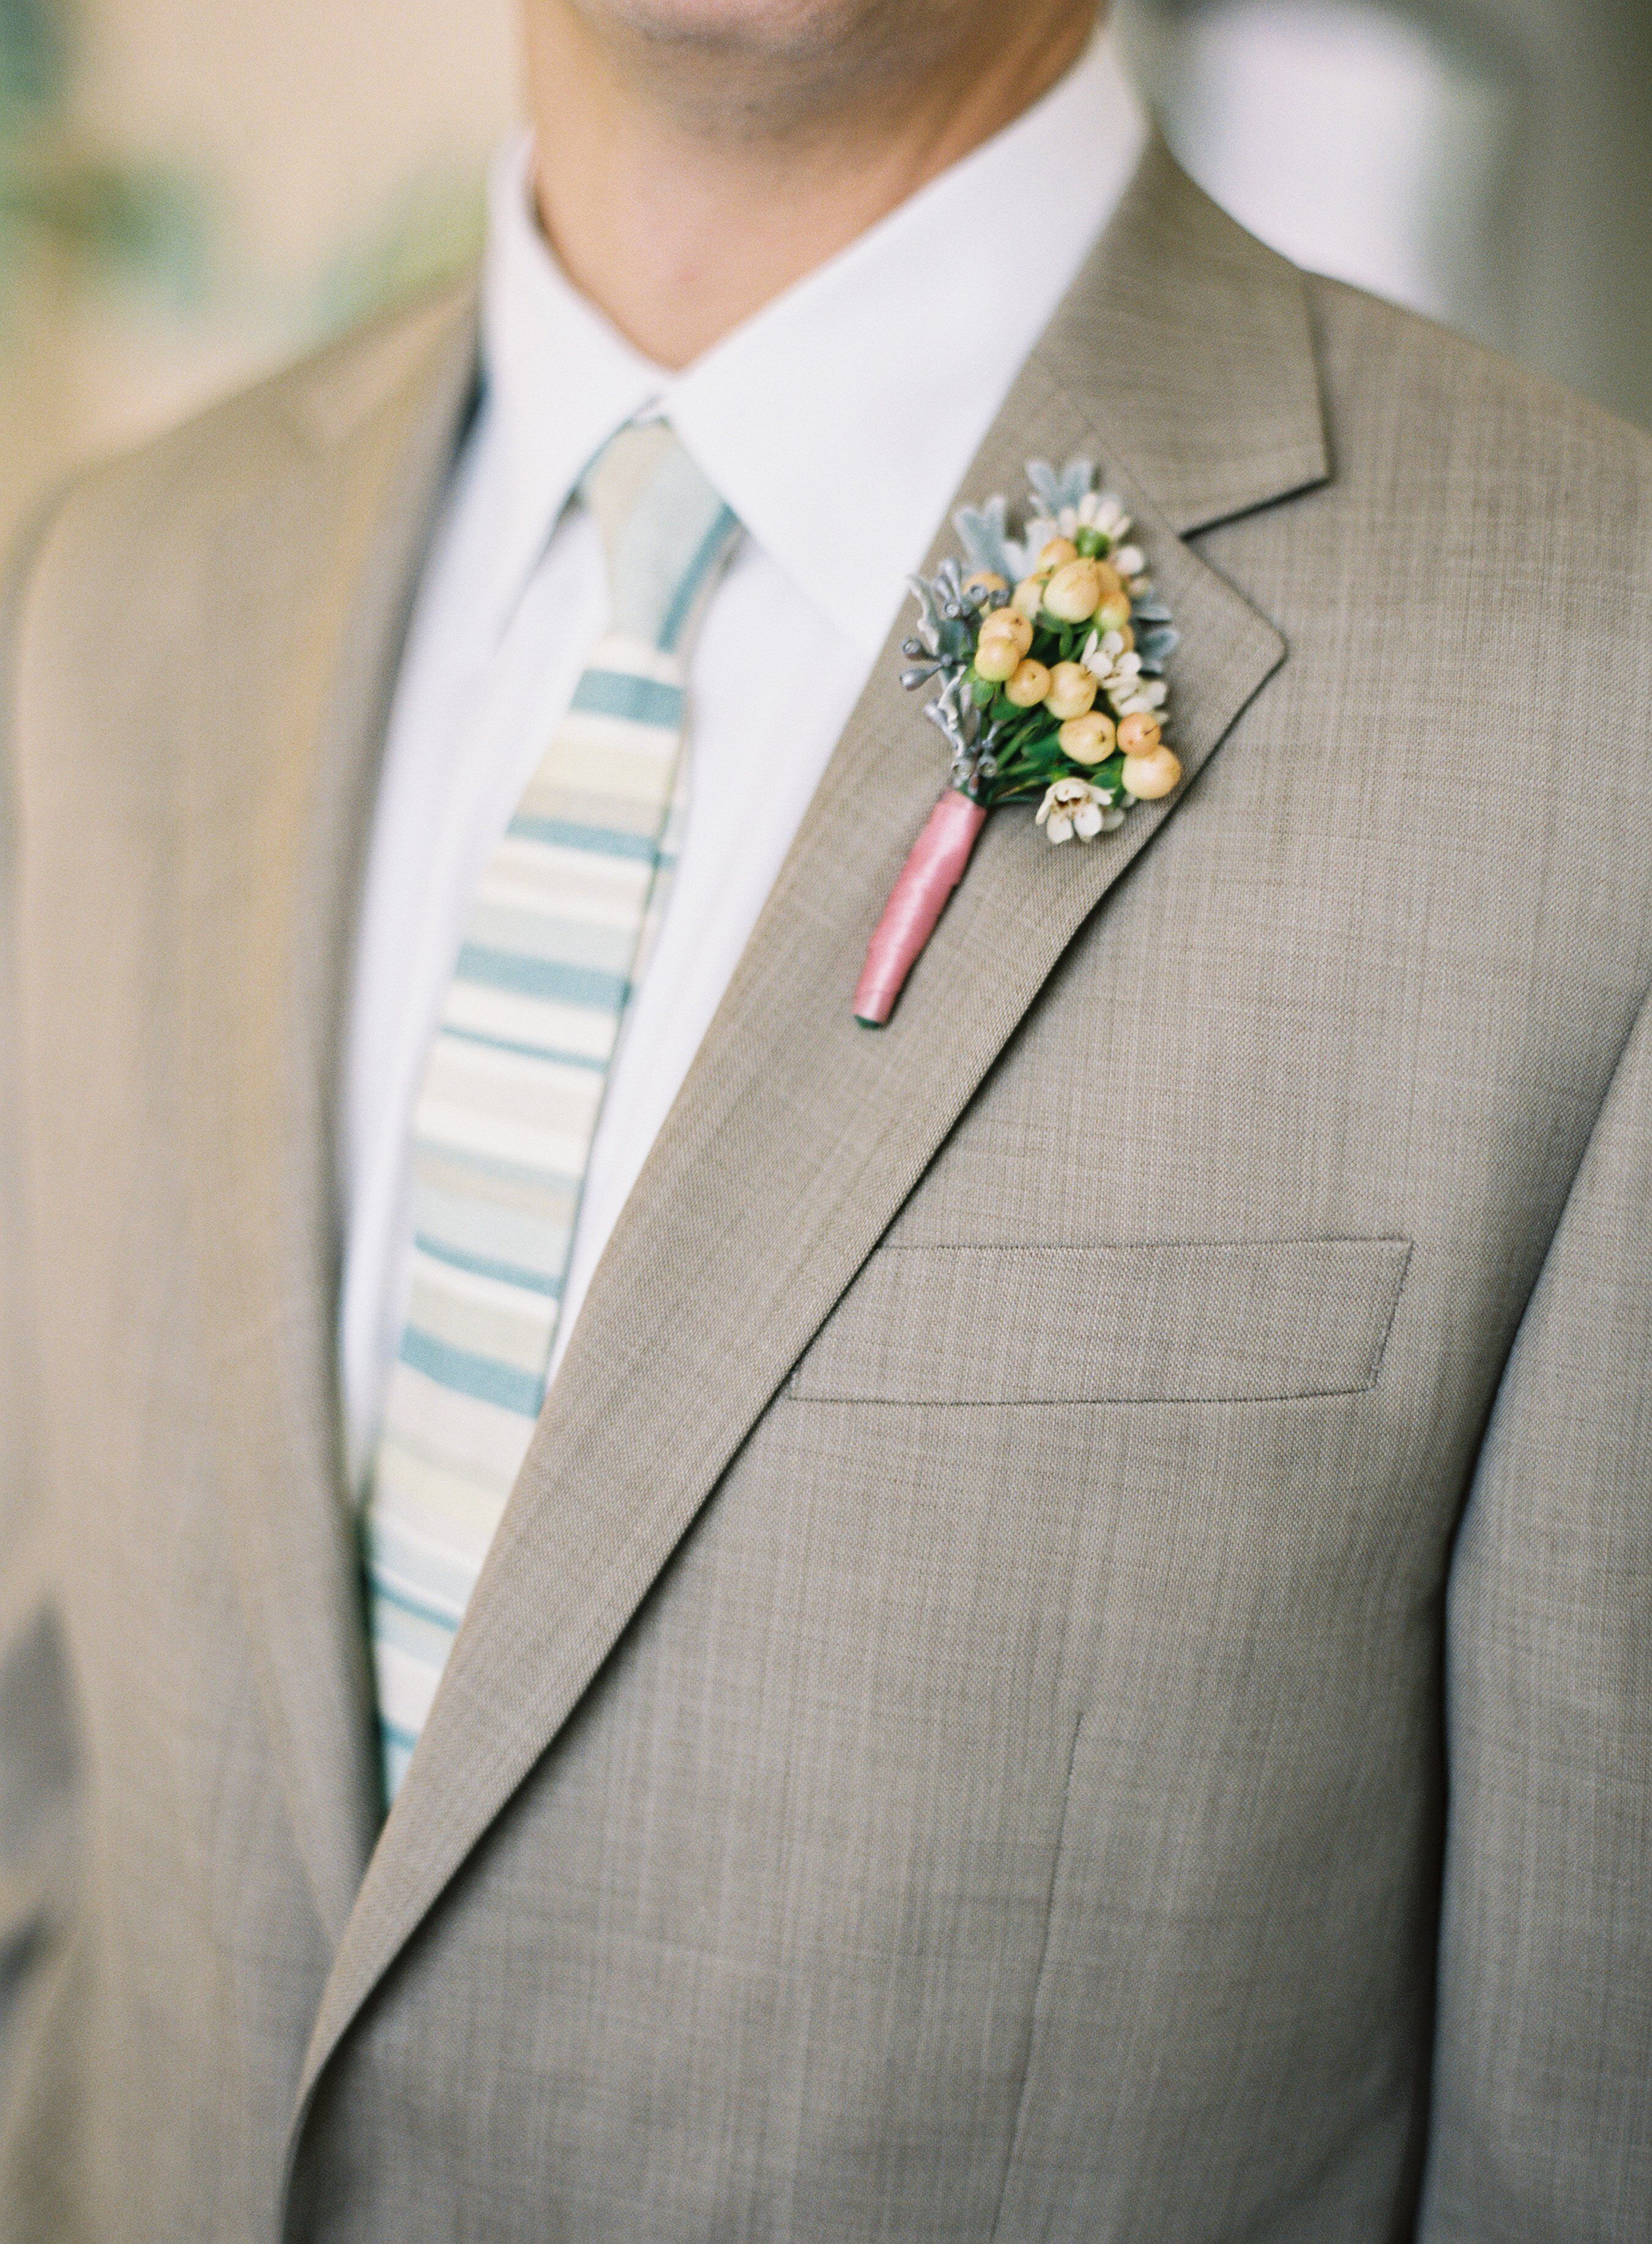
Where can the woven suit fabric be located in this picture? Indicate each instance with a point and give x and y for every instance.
(566, 912)
(1070, 1658)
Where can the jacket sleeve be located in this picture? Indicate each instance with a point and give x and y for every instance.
(1542, 2100)
(37, 1752)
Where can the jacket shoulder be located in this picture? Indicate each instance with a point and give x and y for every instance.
(176, 580)
(123, 514)
(1473, 423)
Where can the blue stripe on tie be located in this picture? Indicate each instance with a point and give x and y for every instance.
(508, 1274)
(622, 693)
(528, 1052)
(682, 603)
(392, 1596)
(482, 1377)
(395, 1757)
(543, 978)
(494, 1164)
(565, 833)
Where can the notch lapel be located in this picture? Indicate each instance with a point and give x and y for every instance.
(798, 1134)
(279, 795)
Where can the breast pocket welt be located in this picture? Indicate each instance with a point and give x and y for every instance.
(1168, 1321)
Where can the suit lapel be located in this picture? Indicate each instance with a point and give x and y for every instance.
(279, 796)
(797, 1134)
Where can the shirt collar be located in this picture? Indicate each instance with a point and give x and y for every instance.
(558, 379)
(839, 421)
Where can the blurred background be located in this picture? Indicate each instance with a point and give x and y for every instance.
(193, 190)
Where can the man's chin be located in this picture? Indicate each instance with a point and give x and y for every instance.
(782, 30)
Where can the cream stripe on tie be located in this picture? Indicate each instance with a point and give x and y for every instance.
(556, 940)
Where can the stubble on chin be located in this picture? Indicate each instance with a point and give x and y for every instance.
(762, 69)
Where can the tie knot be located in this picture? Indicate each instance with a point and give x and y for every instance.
(666, 532)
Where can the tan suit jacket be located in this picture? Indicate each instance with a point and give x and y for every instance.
(1072, 1658)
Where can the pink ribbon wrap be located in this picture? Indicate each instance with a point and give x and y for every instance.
(928, 877)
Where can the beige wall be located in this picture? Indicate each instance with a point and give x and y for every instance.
(332, 143)
(1489, 161)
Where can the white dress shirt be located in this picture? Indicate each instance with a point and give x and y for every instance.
(838, 422)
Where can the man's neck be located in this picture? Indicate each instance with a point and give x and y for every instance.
(681, 194)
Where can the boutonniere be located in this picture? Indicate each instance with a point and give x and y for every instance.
(1050, 651)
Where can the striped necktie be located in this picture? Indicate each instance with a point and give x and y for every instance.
(556, 941)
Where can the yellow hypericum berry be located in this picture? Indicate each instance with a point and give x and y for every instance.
(1140, 733)
(1028, 597)
(984, 580)
(1114, 614)
(1088, 739)
(1150, 776)
(1056, 553)
(1029, 685)
(997, 657)
(1010, 623)
(1073, 594)
(1071, 690)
